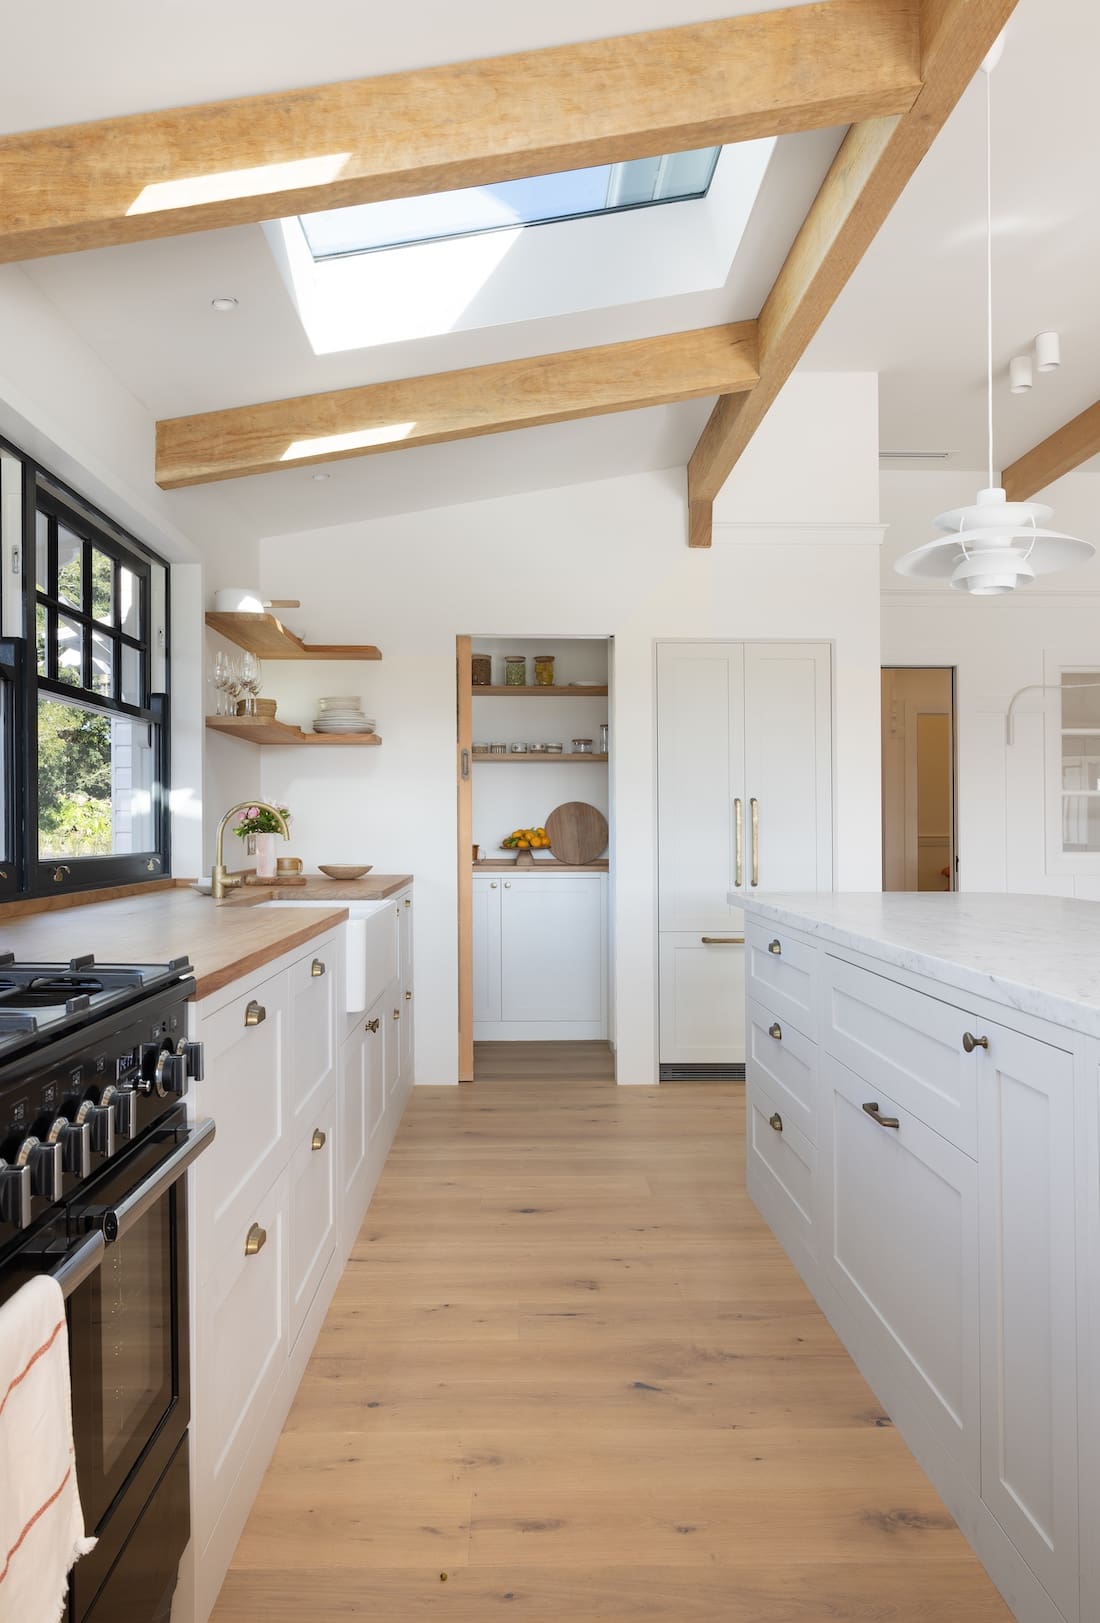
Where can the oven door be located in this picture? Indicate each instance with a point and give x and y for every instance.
(126, 1282)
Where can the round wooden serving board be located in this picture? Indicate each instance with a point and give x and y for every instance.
(578, 833)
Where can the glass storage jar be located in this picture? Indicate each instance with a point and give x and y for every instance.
(481, 670)
(582, 746)
(544, 670)
(515, 670)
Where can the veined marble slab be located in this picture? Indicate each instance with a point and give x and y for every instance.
(1038, 954)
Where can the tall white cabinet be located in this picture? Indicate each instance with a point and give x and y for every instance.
(744, 786)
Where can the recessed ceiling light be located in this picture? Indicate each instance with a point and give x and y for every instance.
(319, 477)
(223, 306)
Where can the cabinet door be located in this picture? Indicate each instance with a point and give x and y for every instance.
(354, 1130)
(314, 984)
(552, 959)
(702, 998)
(312, 1238)
(486, 949)
(1029, 1319)
(700, 755)
(788, 765)
(900, 1244)
(405, 1067)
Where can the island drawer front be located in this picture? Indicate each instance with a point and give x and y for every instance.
(782, 973)
(785, 1063)
(906, 1043)
(899, 1219)
(780, 1167)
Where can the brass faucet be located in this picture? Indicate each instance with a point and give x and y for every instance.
(221, 879)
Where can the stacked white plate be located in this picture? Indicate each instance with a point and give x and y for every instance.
(342, 713)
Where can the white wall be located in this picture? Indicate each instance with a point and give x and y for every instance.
(997, 646)
(602, 559)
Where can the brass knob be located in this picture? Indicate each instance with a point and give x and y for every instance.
(776, 1122)
(970, 1042)
(776, 1030)
(255, 1240)
(255, 1014)
(408, 997)
(776, 947)
(373, 1025)
(61, 872)
(152, 865)
(408, 901)
(317, 1142)
(316, 968)
(397, 1014)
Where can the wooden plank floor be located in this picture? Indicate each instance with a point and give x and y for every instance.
(569, 1377)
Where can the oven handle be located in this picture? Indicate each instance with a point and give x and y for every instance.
(121, 1218)
(82, 1264)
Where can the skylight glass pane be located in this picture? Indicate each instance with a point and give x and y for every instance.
(510, 204)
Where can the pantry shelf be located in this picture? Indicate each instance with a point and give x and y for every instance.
(264, 635)
(539, 692)
(265, 730)
(537, 758)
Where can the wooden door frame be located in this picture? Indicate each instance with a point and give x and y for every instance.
(465, 795)
(952, 672)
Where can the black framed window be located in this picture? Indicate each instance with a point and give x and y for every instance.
(86, 795)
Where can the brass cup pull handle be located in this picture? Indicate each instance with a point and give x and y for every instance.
(255, 1014)
(373, 1025)
(776, 1030)
(397, 1014)
(970, 1042)
(722, 940)
(408, 997)
(317, 968)
(776, 1122)
(776, 947)
(883, 1121)
(255, 1240)
(318, 1141)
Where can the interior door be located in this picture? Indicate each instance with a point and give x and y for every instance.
(464, 747)
(788, 766)
(918, 771)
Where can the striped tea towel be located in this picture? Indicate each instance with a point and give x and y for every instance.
(41, 1522)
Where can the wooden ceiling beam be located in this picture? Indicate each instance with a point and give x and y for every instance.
(874, 164)
(604, 101)
(1067, 448)
(455, 405)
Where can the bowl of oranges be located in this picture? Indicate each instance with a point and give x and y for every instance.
(523, 841)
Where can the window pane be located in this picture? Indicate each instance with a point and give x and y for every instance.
(102, 663)
(1081, 698)
(70, 646)
(129, 589)
(42, 552)
(103, 587)
(1081, 822)
(95, 782)
(40, 635)
(1080, 761)
(70, 554)
(131, 676)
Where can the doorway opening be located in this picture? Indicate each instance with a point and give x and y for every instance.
(534, 857)
(918, 779)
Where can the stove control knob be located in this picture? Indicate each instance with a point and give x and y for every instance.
(75, 1138)
(193, 1054)
(15, 1195)
(171, 1073)
(100, 1119)
(125, 1103)
(45, 1162)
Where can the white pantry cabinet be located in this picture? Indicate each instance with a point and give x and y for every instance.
(744, 792)
(540, 956)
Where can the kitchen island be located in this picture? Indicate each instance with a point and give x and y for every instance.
(922, 1085)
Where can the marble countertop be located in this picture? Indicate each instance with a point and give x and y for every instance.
(1038, 954)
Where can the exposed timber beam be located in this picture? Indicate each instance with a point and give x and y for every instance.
(875, 162)
(1075, 442)
(604, 101)
(455, 405)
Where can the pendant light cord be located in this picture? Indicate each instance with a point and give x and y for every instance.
(989, 261)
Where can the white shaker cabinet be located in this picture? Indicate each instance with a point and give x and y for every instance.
(744, 791)
(540, 956)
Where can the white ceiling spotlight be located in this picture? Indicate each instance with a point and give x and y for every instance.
(1048, 351)
(995, 545)
(1020, 376)
(223, 305)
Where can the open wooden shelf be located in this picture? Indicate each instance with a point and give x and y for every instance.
(266, 730)
(267, 637)
(539, 693)
(543, 760)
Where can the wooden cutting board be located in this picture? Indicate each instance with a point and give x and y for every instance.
(578, 832)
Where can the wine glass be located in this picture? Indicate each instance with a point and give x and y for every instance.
(251, 673)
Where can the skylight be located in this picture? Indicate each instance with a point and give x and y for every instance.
(677, 177)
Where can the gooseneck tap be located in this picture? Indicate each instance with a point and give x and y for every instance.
(221, 879)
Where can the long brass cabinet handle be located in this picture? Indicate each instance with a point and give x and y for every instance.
(883, 1121)
(255, 1014)
(738, 844)
(722, 940)
(373, 1025)
(255, 1240)
(776, 1122)
(970, 1042)
(317, 968)
(754, 812)
(319, 1140)
(776, 1030)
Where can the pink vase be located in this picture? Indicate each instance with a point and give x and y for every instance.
(265, 856)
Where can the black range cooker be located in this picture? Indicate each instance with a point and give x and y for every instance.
(94, 1141)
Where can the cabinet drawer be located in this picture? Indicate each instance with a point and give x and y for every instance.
(906, 1043)
(312, 1175)
(782, 974)
(242, 1346)
(781, 1167)
(245, 1091)
(702, 1000)
(785, 1062)
(901, 1220)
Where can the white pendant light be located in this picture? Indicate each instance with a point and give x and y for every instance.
(996, 545)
